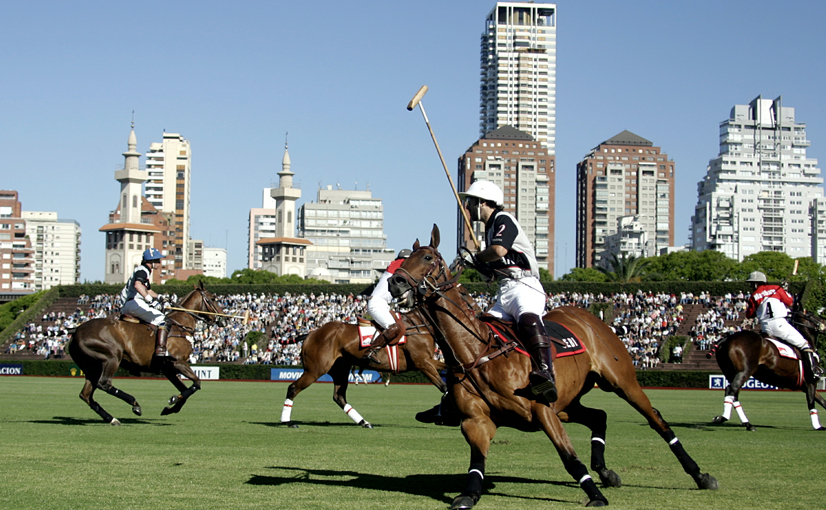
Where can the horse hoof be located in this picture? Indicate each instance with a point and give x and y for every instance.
(707, 482)
(174, 399)
(821, 428)
(166, 411)
(609, 478)
(115, 422)
(365, 424)
(463, 501)
(718, 420)
(137, 409)
(750, 427)
(597, 502)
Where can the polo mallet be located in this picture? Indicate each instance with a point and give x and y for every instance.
(417, 100)
(246, 315)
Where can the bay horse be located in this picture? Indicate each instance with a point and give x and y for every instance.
(335, 347)
(100, 346)
(747, 353)
(490, 390)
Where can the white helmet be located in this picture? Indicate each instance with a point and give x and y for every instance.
(486, 190)
(757, 276)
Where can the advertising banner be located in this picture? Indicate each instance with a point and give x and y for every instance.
(11, 369)
(719, 382)
(206, 373)
(292, 374)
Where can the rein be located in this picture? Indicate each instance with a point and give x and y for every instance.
(191, 330)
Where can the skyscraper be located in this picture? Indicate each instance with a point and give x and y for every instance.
(169, 165)
(16, 251)
(623, 176)
(518, 61)
(56, 244)
(761, 192)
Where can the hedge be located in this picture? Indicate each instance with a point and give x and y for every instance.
(67, 367)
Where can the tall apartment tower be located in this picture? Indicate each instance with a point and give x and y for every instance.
(524, 170)
(16, 251)
(518, 61)
(169, 166)
(56, 244)
(623, 176)
(761, 192)
(260, 226)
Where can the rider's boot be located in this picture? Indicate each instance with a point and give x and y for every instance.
(811, 369)
(380, 341)
(532, 331)
(160, 344)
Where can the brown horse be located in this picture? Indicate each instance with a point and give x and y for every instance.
(100, 346)
(334, 348)
(491, 390)
(746, 353)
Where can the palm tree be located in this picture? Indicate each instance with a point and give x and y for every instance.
(628, 268)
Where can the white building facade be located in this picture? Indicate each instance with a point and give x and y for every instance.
(518, 78)
(761, 193)
(215, 262)
(346, 229)
(56, 245)
(261, 225)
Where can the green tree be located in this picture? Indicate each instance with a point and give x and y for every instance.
(628, 268)
(775, 264)
(708, 265)
(579, 274)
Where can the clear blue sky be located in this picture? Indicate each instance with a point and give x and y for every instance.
(233, 78)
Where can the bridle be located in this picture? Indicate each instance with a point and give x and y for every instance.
(430, 283)
(208, 318)
(810, 322)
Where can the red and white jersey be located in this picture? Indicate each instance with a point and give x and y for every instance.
(769, 302)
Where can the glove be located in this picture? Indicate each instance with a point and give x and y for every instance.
(157, 304)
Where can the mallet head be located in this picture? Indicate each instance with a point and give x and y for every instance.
(418, 97)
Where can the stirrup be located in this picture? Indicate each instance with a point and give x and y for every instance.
(542, 383)
(371, 356)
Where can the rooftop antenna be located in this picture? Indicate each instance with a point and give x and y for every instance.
(133, 119)
(286, 138)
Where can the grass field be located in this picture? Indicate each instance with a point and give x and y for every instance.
(226, 450)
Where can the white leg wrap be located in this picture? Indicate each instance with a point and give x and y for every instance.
(598, 440)
(286, 411)
(815, 419)
(728, 403)
(477, 472)
(584, 479)
(740, 412)
(352, 413)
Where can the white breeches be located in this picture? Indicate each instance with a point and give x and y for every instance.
(782, 330)
(378, 306)
(139, 308)
(518, 297)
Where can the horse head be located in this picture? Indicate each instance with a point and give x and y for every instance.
(424, 271)
(809, 325)
(202, 300)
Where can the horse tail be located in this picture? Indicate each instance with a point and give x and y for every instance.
(716, 345)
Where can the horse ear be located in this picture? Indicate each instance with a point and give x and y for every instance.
(200, 285)
(416, 245)
(434, 236)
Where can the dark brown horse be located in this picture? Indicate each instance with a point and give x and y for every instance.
(747, 353)
(100, 346)
(334, 348)
(491, 390)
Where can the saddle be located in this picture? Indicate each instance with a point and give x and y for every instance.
(365, 323)
(136, 320)
(566, 342)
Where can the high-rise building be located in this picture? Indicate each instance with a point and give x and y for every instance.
(518, 60)
(524, 170)
(260, 226)
(346, 229)
(16, 251)
(135, 225)
(623, 176)
(169, 168)
(761, 192)
(56, 244)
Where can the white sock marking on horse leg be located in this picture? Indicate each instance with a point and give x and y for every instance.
(728, 403)
(815, 419)
(286, 411)
(353, 414)
(740, 412)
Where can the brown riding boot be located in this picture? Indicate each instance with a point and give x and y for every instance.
(380, 341)
(160, 342)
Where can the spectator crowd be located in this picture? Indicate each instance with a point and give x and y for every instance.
(643, 321)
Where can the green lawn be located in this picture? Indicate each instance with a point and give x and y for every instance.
(226, 449)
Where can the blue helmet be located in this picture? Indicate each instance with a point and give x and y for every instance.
(152, 254)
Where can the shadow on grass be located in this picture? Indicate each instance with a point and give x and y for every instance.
(65, 420)
(439, 487)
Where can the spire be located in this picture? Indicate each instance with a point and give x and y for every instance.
(285, 161)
